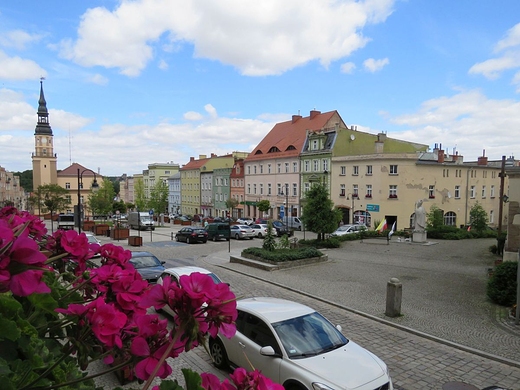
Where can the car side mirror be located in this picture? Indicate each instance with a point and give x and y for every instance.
(268, 351)
(338, 327)
(163, 262)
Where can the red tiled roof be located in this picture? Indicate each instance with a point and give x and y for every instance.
(289, 134)
(73, 171)
(194, 164)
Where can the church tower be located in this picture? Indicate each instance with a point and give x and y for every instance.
(43, 159)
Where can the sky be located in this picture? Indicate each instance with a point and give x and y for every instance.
(132, 83)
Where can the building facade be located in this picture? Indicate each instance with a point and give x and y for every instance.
(11, 193)
(237, 188)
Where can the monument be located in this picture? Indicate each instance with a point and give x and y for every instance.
(419, 231)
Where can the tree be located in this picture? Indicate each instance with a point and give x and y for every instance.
(53, 198)
(435, 218)
(319, 214)
(140, 196)
(269, 243)
(119, 206)
(159, 197)
(101, 202)
(264, 206)
(26, 180)
(231, 203)
(478, 218)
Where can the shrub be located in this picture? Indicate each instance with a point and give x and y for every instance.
(280, 255)
(501, 287)
(331, 242)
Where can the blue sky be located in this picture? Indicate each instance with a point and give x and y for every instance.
(129, 83)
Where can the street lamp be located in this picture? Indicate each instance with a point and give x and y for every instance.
(286, 203)
(95, 187)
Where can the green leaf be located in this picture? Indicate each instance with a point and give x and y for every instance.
(193, 379)
(170, 385)
(9, 329)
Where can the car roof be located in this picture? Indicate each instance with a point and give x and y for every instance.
(186, 270)
(273, 309)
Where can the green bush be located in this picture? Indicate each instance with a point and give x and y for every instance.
(501, 287)
(331, 242)
(280, 255)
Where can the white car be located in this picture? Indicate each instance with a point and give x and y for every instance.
(245, 221)
(176, 272)
(92, 239)
(261, 229)
(297, 347)
(241, 232)
(349, 229)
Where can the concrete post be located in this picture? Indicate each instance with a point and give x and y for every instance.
(394, 293)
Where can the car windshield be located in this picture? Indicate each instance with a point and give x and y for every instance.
(199, 231)
(309, 335)
(145, 261)
(343, 228)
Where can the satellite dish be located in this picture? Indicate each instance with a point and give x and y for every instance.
(352, 137)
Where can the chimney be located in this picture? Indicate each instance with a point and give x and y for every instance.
(295, 118)
(213, 155)
(202, 156)
(192, 158)
(483, 160)
(314, 113)
(440, 155)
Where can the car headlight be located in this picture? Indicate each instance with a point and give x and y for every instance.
(321, 386)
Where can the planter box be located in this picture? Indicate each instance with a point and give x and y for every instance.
(177, 221)
(267, 265)
(119, 234)
(88, 226)
(135, 241)
(187, 223)
(101, 229)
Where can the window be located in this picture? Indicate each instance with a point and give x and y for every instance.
(491, 217)
(279, 188)
(254, 188)
(261, 168)
(295, 167)
(472, 192)
(450, 218)
(369, 191)
(342, 190)
(286, 167)
(343, 170)
(484, 174)
(261, 189)
(268, 168)
(269, 189)
(295, 189)
(483, 192)
(431, 192)
(67, 186)
(254, 169)
(355, 170)
(325, 164)
(69, 198)
(392, 191)
(249, 188)
(492, 192)
(355, 191)
(369, 170)
(316, 165)
(307, 164)
(306, 187)
(457, 192)
(248, 169)
(279, 168)
(315, 145)
(393, 169)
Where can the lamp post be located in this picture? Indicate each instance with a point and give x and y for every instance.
(352, 207)
(95, 187)
(286, 203)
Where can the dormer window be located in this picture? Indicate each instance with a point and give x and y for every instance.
(314, 144)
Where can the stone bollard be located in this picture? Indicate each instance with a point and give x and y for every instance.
(394, 294)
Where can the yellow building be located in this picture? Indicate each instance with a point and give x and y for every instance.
(74, 177)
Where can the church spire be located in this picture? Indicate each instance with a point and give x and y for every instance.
(43, 126)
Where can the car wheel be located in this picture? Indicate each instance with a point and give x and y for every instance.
(214, 238)
(188, 240)
(237, 236)
(251, 237)
(177, 238)
(204, 241)
(259, 235)
(218, 354)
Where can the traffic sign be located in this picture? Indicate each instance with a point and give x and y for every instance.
(150, 212)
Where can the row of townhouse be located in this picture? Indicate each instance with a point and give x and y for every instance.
(11, 193)
(370, 177)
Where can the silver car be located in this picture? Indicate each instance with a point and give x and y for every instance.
(297, 347)
(349, 229)
(241, 232)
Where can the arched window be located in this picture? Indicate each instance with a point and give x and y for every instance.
(363, 217)
(450, 218)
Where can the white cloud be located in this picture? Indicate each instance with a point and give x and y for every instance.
(256, 37)
(16, 68)
(18, 39)
(211, 110)
(98, 79)
(373, 65)
(192, 116)
(510, 59)
(466, 120)
(348, 67)
(163, 65)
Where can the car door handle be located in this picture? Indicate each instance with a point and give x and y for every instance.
(241, 344)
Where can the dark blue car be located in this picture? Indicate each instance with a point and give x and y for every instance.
(149, 267)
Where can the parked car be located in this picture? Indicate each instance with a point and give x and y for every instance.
(241, 232)
(293, 222)
(217, 231)
(176, 272)
(149, 266)
(260, 229)
(294, 345)
(348, 229)
(245, 221)
(261, 221)
(92, 239)
(282, 229)
(191, 235)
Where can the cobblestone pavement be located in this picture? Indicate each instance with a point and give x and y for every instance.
(448, 332)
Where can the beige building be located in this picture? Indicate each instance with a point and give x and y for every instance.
(11, 193)
(77, 177)
(158, 172)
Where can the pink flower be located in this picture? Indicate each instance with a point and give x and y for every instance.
(74, 243)
(253, 380)
(107, 323)
(114, 254)
(145, 367)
